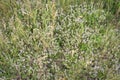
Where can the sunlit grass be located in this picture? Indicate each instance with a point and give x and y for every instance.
(62, 40)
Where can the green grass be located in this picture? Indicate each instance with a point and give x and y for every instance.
(61, 40)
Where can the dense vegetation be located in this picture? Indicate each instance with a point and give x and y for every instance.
(59, 40)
